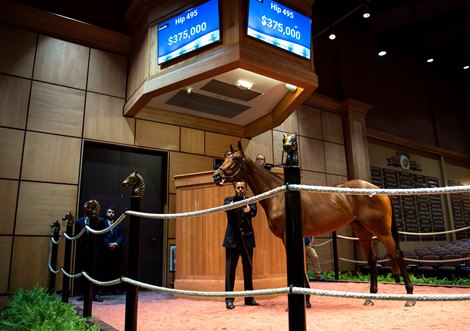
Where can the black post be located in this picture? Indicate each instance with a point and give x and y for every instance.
(54, 251)
(294, 250)
(335, 255)
(133, 266)
(90, 268)
(67, 263)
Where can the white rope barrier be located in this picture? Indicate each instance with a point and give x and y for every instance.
(286, 290)
(371, 192)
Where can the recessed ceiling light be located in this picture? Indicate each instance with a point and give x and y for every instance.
(466, 67)
(332, 36)
(382, 53)
(243, 84)
(430, 60)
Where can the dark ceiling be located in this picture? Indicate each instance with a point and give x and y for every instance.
(418, 28)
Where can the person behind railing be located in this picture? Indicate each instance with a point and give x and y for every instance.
(313, 258)
(112, 251)
(239, 241)
(82, 251)
(261, 160)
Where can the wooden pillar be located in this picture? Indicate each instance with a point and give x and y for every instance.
(355, 137)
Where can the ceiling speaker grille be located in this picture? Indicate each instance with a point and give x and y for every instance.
(206, 104)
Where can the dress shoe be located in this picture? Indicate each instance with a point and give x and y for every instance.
(229, 304)
(97, 298)
(251, 302)
(80, 298)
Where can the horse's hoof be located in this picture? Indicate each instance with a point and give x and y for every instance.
(308, 305)
(368, 302)
(410, 303)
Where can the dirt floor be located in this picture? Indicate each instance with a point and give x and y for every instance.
(159, 311)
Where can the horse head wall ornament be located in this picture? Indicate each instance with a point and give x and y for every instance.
(289, 146)
(137, 182)
(92, 208)
(68, 219)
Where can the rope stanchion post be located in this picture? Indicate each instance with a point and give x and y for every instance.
(67, 260)
(56, 226)
(294, 250)
(90, 268)
(133, 265)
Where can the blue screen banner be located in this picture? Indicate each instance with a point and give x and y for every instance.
(280, 26)
(195, 28)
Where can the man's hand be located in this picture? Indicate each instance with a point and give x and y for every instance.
(112, 246)
(246, 209)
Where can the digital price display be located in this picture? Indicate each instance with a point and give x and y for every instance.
(280, 26)
(195, 28)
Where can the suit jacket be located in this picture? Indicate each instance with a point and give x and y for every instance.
(115, 236)
(239, 225)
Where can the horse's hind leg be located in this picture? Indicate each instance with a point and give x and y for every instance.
(307, 297)
(396, 255)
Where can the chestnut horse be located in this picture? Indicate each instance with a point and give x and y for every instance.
(325, 212)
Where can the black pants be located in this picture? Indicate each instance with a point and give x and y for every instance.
(232, 256)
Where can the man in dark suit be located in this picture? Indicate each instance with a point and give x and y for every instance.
(239, 241)
(82, 252)
(112, 248)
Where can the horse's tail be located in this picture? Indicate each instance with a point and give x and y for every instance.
(395, 234)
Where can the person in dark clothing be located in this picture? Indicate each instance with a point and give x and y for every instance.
(112, 251)
(82, 253)
(239, 241)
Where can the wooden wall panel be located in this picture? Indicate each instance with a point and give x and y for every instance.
(51, 158)
(18, 47)
(310, 124)
(40, 204)
(313, 178)
(8, 194)
(335, 179)
(192, 141)
(137, 59)
(61, 62)
(277, 147)
(157, 135)
(332, 127)
(217, 144)
(182, 163)
(312, 154)
(104, 120)
(56, 109)
(335, 159)
(5, 254)
(107, 73)
(30, 256)
(263, 144)
(14, 96)
(11, 148)
(171, 223)
(290, 124)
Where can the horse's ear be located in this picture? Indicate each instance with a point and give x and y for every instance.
(240, 148)
(231, 149)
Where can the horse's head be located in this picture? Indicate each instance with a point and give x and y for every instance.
(92, 208)
(138, 183)
(232, 168)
